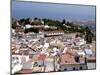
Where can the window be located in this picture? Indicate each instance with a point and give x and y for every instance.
(17, 58)
(65, 69)
(39, 65)
(59, 70)
(59, 66)
(35, 64)
(81, 68)
(73, 68)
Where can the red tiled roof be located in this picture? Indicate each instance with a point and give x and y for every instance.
(38, 57)
(67, 59)
(42, 57)
(28, 71)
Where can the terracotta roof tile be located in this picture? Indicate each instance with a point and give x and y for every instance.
(39, 57)
(27, 71)
(67, 59)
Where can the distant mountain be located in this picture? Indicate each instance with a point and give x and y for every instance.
(91, 23)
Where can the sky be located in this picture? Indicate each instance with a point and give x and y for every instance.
(51, 10)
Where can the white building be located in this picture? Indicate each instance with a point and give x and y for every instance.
(79, 41)
(28, 26)
(88, 52)
(53, 33)
(19, 62)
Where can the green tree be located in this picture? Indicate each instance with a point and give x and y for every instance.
(35, 18)
(14, 25)
(63, 21)
(31, 30)
(88, 35)
(27, 21)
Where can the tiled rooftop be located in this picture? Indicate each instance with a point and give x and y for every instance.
(67, 59)
(27, 71)
(38, 57)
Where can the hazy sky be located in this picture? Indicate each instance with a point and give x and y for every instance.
(54, 11)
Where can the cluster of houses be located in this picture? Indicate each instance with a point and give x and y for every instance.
(32, 52)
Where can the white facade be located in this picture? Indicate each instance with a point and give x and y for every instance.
(16, 63)
(28, 65)
(54, 33)
(80, 41)
(19, 59)
(28, 26)
(88, 52)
